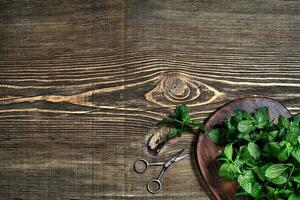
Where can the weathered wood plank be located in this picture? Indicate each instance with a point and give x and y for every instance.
(82, 83)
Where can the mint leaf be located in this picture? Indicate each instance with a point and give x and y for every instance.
(240, 115)
(248, 183)
(262, 117)
(246, 126)
(254, 150)
(231, 123)
(166, 121)
(283, 122)
(217, 135)
(261, 171)
(246, 157)
(196, 123)
(228, 151)
(172, 133)
(276, 170)
(272, 135)
(292, 133)
(245, 136)
(182, 113)
(286, 191)
(296, 119)
(229, 171)
(272, 148)
(294, 196)
(296, 154)
(279, 180)
(285, 152)
(297, 179)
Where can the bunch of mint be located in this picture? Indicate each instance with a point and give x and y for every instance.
(181, 121)
(263, 157)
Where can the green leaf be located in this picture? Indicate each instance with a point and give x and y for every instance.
(182, 112)
(294, 196)
(256, 190)
(296, 119)
(240, 115)
(246, 126)
(276, 170)
(254, 150)
(283, 122)
(196, 123)
(228, 151)
(285, 152)
(296, 154)
(248, 183)
(246, 180)
(282, 133)
(229, 171)
(279, 180)
(246, 157)
(262, 117)
(179, 125)
(231, 123)
(260, 171)
(297, 179)
(245, 136)
(172, 133)
(239, 152)
(292, 133)
(286, 192)
(166, 121)
(259, 136)
(272, 148)
(272, 135)
(270, 190)
(217, 135)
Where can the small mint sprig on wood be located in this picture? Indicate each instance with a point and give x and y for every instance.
(181, 121)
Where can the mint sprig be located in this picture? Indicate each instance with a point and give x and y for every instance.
(181, 121)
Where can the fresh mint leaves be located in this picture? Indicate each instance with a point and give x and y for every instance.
(181, 121)
(263, 157)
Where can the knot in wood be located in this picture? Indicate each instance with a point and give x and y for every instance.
(176, 88)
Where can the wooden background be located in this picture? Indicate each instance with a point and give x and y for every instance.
(82, 83)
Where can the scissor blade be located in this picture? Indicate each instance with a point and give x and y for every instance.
(169, 162)
(181, 157)
(176, 155)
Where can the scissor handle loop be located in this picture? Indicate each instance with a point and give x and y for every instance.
(150, 188)
(145, 163)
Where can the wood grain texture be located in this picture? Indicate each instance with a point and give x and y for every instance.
(83, 82)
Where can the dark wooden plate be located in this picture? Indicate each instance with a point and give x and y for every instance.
(207, 151)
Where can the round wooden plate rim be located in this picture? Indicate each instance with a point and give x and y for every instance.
(203, 168)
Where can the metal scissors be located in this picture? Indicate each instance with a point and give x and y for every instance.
(165, 165)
